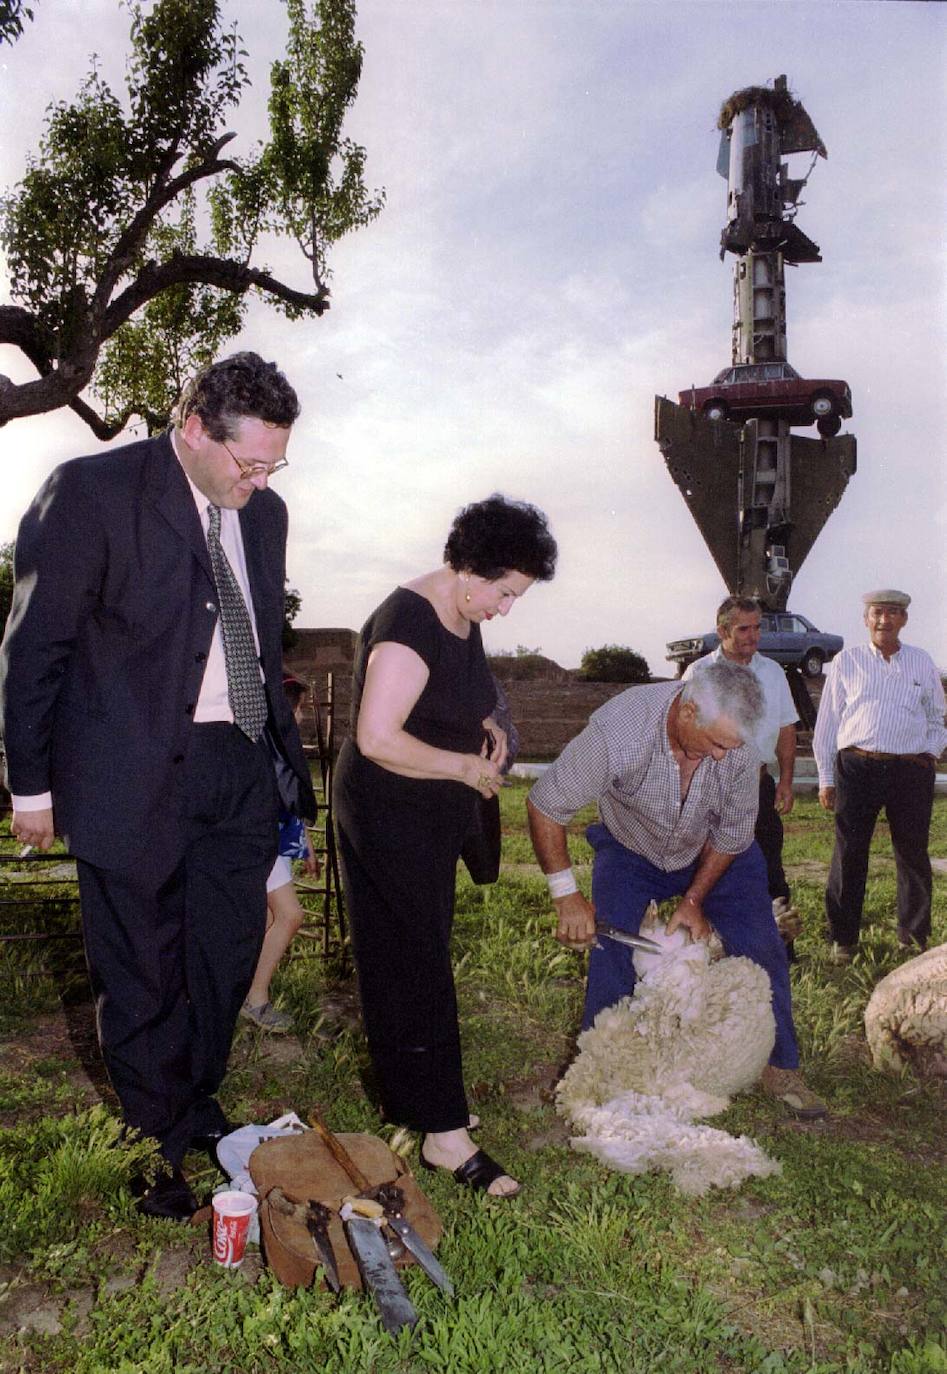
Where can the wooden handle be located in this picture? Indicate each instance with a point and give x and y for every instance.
(339, 1152)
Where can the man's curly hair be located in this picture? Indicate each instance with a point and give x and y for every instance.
(243, 385)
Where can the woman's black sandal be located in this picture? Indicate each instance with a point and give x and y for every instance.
(477, 1172)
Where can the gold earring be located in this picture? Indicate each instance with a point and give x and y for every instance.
(467, 580)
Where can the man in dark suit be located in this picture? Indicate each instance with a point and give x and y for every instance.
(142, 701)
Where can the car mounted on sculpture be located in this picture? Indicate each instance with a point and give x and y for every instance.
(785, 636)
(772, 390)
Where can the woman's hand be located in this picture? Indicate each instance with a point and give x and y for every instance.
(498, 747)
(482, 774)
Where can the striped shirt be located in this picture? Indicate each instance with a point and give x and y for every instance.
(895, 706)
(622, 760)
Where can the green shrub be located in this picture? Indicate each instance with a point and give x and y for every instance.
(614, 663)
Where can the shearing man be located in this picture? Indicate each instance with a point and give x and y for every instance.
(675, 775)
(878, 735)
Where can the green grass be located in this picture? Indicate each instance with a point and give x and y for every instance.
(836, 1265)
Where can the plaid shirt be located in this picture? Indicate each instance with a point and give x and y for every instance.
(623, 761)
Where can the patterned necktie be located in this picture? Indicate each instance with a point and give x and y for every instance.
(244, 685)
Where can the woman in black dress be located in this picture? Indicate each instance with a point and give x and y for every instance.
(424, 746)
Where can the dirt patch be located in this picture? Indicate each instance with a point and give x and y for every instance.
(807, 870)
(557, 1134)
(340, 1010)
(536, 1091)
(68, 1038)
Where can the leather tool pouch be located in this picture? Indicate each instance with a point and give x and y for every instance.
(302, 1168)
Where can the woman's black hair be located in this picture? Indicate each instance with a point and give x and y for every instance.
(496, 536)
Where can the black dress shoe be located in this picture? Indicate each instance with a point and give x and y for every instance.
(207, 1141)
(169, 1198)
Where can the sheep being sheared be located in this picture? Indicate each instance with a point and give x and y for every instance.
(692, 1034)
(906, 1016)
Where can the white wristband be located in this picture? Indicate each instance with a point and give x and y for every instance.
(562, 884)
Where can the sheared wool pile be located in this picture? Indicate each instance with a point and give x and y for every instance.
(692, 1034)
(906, 1016)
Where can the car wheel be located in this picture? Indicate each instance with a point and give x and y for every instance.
(812, 663)
(822, 404)
(828, 425)
(715, 410)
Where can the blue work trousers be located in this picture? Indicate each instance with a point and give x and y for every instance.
(738, 906)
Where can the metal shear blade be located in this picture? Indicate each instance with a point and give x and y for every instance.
(624, 937)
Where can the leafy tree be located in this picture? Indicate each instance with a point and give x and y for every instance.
(292, 602)
(131, 238)
(614, 663)
(12, 14)
(6, 583)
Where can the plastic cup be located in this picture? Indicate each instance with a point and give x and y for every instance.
(232, 1213)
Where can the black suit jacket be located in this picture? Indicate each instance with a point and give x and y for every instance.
(104, 653)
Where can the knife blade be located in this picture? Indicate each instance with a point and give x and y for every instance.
(624, 937)
(316, 1217)
(317, 1224)
(391, 1198)
(378, 1272)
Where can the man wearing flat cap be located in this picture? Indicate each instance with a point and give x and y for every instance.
(878, 735)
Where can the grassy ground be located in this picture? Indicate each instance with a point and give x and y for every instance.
(837, 1264)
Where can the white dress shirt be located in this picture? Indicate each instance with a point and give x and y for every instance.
(213, 702)
(778, 706)
(894, 706)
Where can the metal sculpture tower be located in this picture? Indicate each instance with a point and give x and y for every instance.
(760, 494)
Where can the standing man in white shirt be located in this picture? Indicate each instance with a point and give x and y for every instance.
(142, 703)
(879, 733)
(738, 626)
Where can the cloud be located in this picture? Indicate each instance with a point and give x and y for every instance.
(547, 261)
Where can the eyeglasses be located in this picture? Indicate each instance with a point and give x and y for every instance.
(254, 468)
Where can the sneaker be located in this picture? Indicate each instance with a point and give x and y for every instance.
(788, 1086)
(841, 954)
(787, 918)
(267, 1018)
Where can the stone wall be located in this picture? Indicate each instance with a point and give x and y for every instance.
(315, 654)
(548, 713)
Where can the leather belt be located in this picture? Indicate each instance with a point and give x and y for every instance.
(924, 759)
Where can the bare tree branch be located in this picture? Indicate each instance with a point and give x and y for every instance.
(223, 273)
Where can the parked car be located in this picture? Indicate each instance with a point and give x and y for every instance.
(772, 390)
(785, 636)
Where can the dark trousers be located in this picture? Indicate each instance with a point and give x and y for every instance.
(738, 906)
(769, 836)
(399, 842)
(905, 789)
(406, 984)
(171, 955)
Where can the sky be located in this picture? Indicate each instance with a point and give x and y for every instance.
(547, 261)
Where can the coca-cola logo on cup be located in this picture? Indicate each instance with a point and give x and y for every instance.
(232, 1213)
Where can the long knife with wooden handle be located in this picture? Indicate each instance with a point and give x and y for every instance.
(360, 1217)
(391, 1199)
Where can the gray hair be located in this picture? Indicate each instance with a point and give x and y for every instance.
(726, 689)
